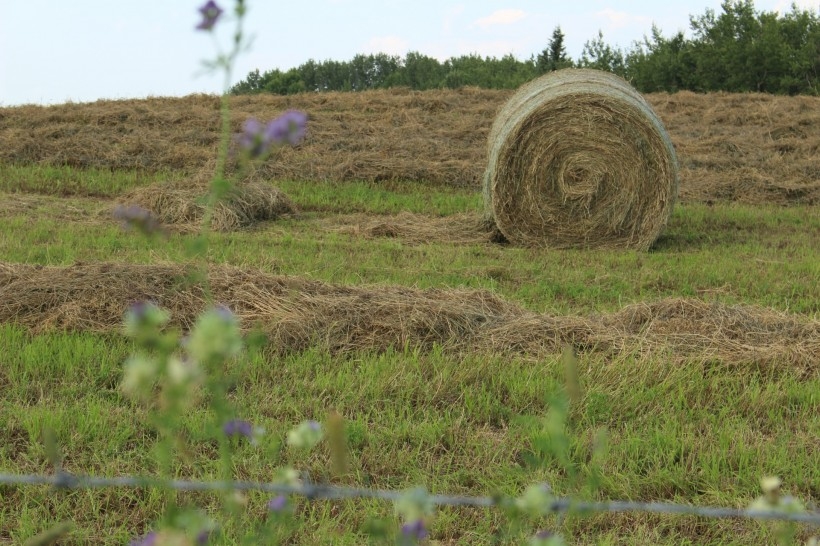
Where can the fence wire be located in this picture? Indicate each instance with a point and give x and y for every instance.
(65, 480)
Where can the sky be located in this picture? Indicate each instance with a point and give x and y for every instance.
(53, 52)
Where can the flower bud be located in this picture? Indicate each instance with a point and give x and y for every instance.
(547, 538)
(139, 375)
(211, 13)
(278, 504)
(414, 505)
(306, 435)
(537, 500)
(144, 319)
(215, 336)
(415, 530)
(182, 372)
(290, 476)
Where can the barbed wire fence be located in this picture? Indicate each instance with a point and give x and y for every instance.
(314, 491)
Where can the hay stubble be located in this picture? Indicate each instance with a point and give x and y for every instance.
(746, 148)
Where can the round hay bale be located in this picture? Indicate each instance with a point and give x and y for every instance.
(577, 158)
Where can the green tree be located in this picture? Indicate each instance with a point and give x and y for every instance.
(554, 57)
(722, 45)
(743, 50)
(251, 84)
(508, 72)
(600, 55)
(284, 83)
(332, 76)
(660, 64)
(422, 72)
(800, 31)
(488, 72)
(466, 70)
(384, 68)
(310, 75)
(737, 50)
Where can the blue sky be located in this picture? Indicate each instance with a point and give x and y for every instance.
(53, 51)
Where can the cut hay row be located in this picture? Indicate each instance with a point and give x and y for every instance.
(78, 211)
(180, 209)
(297, 314)
(411, 228)
(577, 158)
(749, 148)
(182, 205)
(178, 206)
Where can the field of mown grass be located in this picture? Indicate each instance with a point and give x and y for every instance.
(701, 357)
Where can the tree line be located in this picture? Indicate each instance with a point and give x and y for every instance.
(739, 49)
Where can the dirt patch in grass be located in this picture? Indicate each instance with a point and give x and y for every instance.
(464, 228)
(749, 148)
(297, 313)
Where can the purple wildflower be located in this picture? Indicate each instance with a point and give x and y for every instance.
(277, 504)
(415, 530)
(143, 319)
(224, 313)
(238, 427)
(148, 540)
(134, 216)
(210, 13)
(252, 139)
(140, 309)
(288, 128)
(203, 537)
(257, 138)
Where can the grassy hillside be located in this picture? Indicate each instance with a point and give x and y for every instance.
(383, 299)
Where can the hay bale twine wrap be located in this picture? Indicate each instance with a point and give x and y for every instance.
(577, 158)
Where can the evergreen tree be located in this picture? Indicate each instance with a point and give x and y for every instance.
(554, 57)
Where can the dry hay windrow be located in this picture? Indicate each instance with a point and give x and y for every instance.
(297, 313)
(577, 158)
(181, 205)
(411, 228)
(81, 210)
(749, 148)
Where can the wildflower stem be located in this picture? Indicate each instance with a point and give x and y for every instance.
(219, 182)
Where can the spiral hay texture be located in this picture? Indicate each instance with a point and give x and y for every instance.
(577, 158)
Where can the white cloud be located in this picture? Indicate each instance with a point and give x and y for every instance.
(497, 48)
(392, 45)
(785, 6)
(501, 17)
(621, 19)
(450, 16)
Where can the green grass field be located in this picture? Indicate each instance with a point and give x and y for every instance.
(701, 431)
